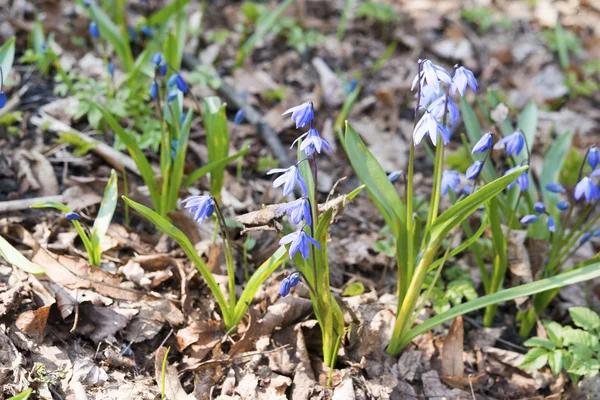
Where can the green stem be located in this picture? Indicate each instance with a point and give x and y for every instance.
(228, 254)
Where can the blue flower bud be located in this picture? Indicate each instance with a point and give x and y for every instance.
(596, 233)
(550, 223)
(72, 216)
(529, 219)
(294, 279)
(394, 175)
(94, 30)
(2, 99)
(240, 115)
(172, 80)
(146, 30)
(474, 170)
(153, 90)
(157, 59)
(593, 157)
(162, 69)
(585, 238)
(353, 84)
(86, 3)
(111, 69)
(483, 144)
(539, 207)
(172, 95)
(285, 287)
(132, 32)
(555, 187)
(181, 84)
(562, 205)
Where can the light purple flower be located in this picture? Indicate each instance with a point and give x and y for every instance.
(483, 144)
(428, 95)
(522, 180)
(514, 143)
(290, 177)
(438, 106)
(555, 187)
(299, 242)
(593, 157)
(450, 179)
(432, 74)
(461, 79)
(202, 207)
(595, 173)
(588, 189)
(302, 115)
(298, 210)
(312, 143)
(529, 219)
(429, 125)
(474, 170)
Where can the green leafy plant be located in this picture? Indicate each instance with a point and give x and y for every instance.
(575, 350)
(562, 42)
(460, 287)
(92, 240)
(23, 395)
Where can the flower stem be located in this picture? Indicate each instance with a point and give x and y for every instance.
(228, 253)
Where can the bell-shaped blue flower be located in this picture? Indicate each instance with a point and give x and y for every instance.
(72, 216)
(588, 189)
(483, 144)
(313, 142)
(202, 207)
(593, 157)
(94, 32)
(450, 180)
(146, 30)
(157, 59)
(302, 115)
(285, 287)
(429, 125)
(562, 205)
(394, 175)
(181, 84)
(428, 95)
(514, 143)
(461, 79)
(474, 170)
(288, 179)
(529, 219)
(555, 187)
(298, 210)
(431, 74)
(438, 107)
(550, 224)
(539, 207)
(522, 180)
(299, 243)
(2, 99)
(466, 190)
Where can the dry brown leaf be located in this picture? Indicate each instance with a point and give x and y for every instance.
(452, 354)
(208, 333)
(33, 322)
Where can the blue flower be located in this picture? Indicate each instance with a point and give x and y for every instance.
(172, 95)
(450, 179)
(153, 90)
(466, 190)
(529, 219)
(299, 242)
(555, 187)
(157, 59)
(483, 144)
(588, 189)
(2, 99)
(313, 142)
(202, 207)
(302, 115)
(353, 84)
(239, 117)
(298, 210)
(596, 233)
(86, 3)
(585, 238)
(290, 177)
(432, 74)
(111, 69)
(522, 180)
(474, 170)
(72, 216)
(539, 207)
(285, 287)
(162, 69)
(550, 223)
(438, 106)
(181, 84)
(461, 79)
(428, 95)
(294, 279)
(593, 157)
(146, 30)
(429, 125)
(595, 172)
(514, 143)
(172, 81)
(94, 30)
(562, 205)
(132, 32)
(394, 175)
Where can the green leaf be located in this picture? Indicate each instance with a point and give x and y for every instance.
(540, 342)
(179, 162)
(257, 279)
(371, 174)
(266, 24)
(555, 359)
(23, 395)
(210, 167)
(14, 257)
(573, 336)
(110, 31)
(136, 153)
(105, 214)
(166, 227)
(354, 289)
(554, 331)
(553, 162)
(162, 16)
(7, 56)
(585, 318)
(591, 271)
(217, 140)
(535, 359)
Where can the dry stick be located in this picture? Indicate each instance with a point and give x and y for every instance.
(237, 100)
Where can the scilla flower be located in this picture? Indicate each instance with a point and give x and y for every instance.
(94, 30)
(529, 219)
(522, 180)
(288, 283)
(290, 177)
(299, 243)
(153, 90)
(202, 207)
(474, 170)
(428, 95)
(172, 95)
(555, 187)
(298, 210)
(461, 79)
(562, 205)
(72, 216)
(585, 238)
(550, 223)
(2, 99)
(593, 157)
(431, 74)
(438, 107)
(157, 59)
(483, 144)
(162, 69)
(429, 125)
(450, 179)
(394, 175)
(539, 207)
(514, 143)
(588, 189)
(313, 142)
(239, 117)
(111, 69)
(302, 115)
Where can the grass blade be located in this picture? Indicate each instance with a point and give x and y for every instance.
(14, 257)
(217, 140)
(7, 56)
(105, 214)
(113, 35)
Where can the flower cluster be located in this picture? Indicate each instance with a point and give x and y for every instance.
(540, 209)
(437, 105)
(175, 83)
(288, 283)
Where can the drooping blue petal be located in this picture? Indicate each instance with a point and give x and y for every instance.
(153, 90)
(314, 142)
(201, 206)
(432, 74)
(288, 179)
(299, 243)
(94, 32)
(72, 216)
(438, 107)
(294, 279)
(172, 81)
(284, 288)
(181, 84)
(588, 189)
(550, 223)
(302, 115)
(593, 157)
(514, 143)
(394, 175)
(157, 59)
(298, 210)
(529, 219)
(539, 207)
(239, 117)
(461, 79)
(429, 125)
(562, 205)
(474, 170)
(483, 144)
(522, 180)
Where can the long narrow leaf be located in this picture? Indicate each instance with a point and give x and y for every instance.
(105, 214)
(115, 37)
(14, 257)
(164, 14)
(7, 56)
(553, 163)
(210, 167)
(179, 162)
(217, 140)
